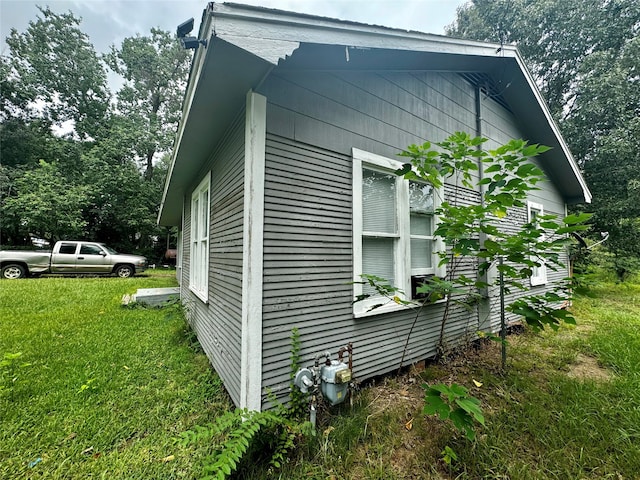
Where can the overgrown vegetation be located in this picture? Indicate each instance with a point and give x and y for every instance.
(473, 231)
(245, 441)
(507, 179)
(508, 176)
(565, 408)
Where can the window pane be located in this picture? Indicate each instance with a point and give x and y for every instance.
(204, 221)
(68, 248)
(421, 251)
(420, 198)
(194, 215)
(534, 214)
(378, 202)
(421, 224)
(377, 259)
(90, 249)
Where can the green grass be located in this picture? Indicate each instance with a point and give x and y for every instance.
(106, 389)
(542, 421)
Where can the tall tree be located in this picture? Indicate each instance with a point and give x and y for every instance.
(155, 70)
(55, 73)
(585, 55)
(60, 131)
(45, 205)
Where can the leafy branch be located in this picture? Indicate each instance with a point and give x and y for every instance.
(455, 404)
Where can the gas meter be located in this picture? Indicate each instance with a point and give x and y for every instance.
(332, 377)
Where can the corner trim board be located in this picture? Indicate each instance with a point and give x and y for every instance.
(252, 257)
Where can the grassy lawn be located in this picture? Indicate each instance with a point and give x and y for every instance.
(107, 388)
(568, 407)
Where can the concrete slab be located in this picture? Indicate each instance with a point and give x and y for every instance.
(156, 296)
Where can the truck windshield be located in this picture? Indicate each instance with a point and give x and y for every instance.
(109, 250)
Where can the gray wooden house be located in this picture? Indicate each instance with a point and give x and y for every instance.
(289, 122)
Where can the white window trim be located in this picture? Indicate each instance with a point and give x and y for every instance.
(403, 269)
(202, 290)
(541, 277)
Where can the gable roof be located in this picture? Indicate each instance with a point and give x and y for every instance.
(244, 43)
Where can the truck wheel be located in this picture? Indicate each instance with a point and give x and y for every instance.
(124, 271)
(13, 271)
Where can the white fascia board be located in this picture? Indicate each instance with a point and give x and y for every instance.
(553, 126)
(237, 23)
(252, 252)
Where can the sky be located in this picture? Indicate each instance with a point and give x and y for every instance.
(108, 22)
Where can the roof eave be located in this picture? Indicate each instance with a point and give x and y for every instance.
(249, 41)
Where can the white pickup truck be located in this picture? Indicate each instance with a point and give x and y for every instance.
(69, 257)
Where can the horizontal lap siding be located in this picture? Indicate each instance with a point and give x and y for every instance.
(380, 113)
(218, 323)
(510, 224)
(498, 124)
(313, 121)
(500, 127)
(307, 253)
(463, 317)
(186, 250)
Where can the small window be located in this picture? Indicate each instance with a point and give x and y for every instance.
(199, 267)
(539, 273)
(379, 225)
(68, 248)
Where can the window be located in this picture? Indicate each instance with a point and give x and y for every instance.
(393, 224)
(539, 274)
(88, 249)
(68, 248)
(199, 271)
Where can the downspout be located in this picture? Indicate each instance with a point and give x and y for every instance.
(478, 99)
(484, 309)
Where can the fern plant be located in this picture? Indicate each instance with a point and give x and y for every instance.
(240, 435)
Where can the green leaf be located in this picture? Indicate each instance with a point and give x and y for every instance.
(550, 225)
(434, 405)
(462, 421)
(471, 407)
(406, 168)
(577, 218)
